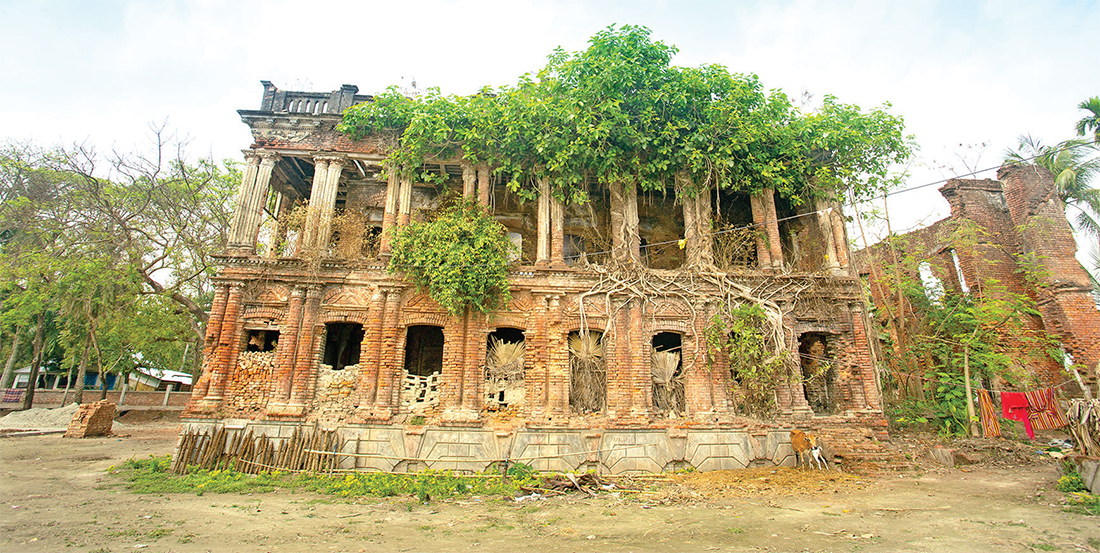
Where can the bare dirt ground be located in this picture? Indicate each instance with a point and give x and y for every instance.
(56, 495)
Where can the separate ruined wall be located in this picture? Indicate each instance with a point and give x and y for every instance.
(1014, 231)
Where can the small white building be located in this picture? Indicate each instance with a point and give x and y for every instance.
(148, 379)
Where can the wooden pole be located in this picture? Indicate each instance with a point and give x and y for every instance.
(969, 393)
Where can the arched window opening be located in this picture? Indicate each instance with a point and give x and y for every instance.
(423, 367)
(667, 370)
(818, 372)
(587, 371)
(504, 364)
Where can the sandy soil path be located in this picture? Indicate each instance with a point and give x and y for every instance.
(56, 495)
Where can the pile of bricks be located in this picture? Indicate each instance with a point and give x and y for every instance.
(92, 419)
(336, 393)
(420, 391)
(250, 384)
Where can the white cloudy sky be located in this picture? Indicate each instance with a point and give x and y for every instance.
(968, 76)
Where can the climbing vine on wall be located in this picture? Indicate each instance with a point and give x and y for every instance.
(459, 257)
(756, 367)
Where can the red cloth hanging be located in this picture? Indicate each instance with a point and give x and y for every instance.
(1014, 406)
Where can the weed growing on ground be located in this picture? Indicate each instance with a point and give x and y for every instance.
(153, 475)
(1078, 498)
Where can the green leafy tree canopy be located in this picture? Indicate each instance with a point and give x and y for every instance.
(619, 111)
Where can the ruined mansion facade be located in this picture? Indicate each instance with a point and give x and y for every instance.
(308, 329)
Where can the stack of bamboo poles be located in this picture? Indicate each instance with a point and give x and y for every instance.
(307, 451)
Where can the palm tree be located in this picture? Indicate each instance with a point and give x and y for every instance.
(1090, 122)
(1073, 163)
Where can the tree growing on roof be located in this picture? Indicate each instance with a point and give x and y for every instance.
(620, 112)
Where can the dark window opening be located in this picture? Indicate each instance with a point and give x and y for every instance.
(587, 371)
(424, 350)
(342, 344)
(505, 354)
(573, 249)
(818, 372)
(660, 229)
(423, 367)
(734, 234)
(262, 340)
(667, 369)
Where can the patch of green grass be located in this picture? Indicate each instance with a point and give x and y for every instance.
(153, 475)
(158, 533)
(608, 513)
(154, 534)
(735, 530)
(424, 528)
(1079, 500)
(1044, 546)
(1083, 503)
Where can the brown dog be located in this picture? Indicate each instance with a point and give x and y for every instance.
(805, 448)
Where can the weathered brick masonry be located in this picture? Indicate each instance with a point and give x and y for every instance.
(300, 336)
(1024, 242)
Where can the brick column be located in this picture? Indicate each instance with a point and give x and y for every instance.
(629, 381)
(865, 369)
(238, 228)
(698, 247)
(210, 343)
(473, 387)
(404, 204)
(389, 362)
(625, 242)
(792, 398)
(557, 360)
(287, 350)
(228, 344)
(536, 371)
(542, 250)
(389, 215)
(371, 352)
(760, 228)
(840, 237)
(469, 181)
(308, 239)
(557, 233)
(484, 185)
(327, 204)
(259, 199)
(771, 228)
(305, 363)
(825, 224)
(450, 397)
(699, 378)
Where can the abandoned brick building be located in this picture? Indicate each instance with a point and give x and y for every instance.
(593, 378)
(1014, 231)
